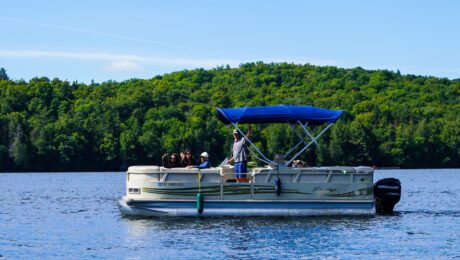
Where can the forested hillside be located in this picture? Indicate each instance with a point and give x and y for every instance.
(389, 119)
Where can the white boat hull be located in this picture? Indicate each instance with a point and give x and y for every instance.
(158, 191)
(244, 208)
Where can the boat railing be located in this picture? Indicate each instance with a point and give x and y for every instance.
(225, 175)
(219, 183)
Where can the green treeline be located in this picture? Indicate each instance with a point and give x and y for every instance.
(389, 119)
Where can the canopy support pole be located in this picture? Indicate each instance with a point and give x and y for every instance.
(312, 141)
(293, 127)
(301, 137)
(308, 133)
(257, 157)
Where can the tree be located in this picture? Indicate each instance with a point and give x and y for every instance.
(3, 75)
(389, 119)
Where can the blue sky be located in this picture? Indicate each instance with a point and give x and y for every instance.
(119, 40)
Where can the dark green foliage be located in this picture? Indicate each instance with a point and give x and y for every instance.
(3, 75)
(390, 119)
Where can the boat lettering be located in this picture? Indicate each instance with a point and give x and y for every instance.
(388, 187)
(170, 184)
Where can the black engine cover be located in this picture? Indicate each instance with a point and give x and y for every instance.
(387, 192)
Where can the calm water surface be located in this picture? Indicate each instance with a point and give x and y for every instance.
(74, 215)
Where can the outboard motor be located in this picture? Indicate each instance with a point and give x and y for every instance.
(387, 193)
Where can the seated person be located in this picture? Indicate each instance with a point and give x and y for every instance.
(205, 163)
(187, 158)
(174, 161)
(299, 164)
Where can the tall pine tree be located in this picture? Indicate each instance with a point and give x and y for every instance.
(3, 75)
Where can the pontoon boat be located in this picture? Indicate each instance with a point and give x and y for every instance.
(278, 189)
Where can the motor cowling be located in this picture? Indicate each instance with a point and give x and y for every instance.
(387, 192)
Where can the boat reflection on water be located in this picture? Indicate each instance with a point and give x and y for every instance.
(240, 237)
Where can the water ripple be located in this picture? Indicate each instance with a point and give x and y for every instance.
(73, 215)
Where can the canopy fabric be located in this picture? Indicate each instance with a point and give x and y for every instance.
(278, 114)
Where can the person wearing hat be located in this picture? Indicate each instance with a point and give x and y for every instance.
(205, 163)
(240, 155)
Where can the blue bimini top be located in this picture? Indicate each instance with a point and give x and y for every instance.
(278, 114)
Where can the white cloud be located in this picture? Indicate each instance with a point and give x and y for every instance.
(132, 62)
(117, 57)
(68, 55)
(123, 66)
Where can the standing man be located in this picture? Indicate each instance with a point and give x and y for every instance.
(240, 155)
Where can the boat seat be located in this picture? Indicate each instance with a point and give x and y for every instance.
(143, 173)
(143, 169)
(264, 175)
(190, 175)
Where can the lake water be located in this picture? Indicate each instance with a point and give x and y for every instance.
(74, 215)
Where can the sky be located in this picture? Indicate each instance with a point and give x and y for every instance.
(119, 40)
